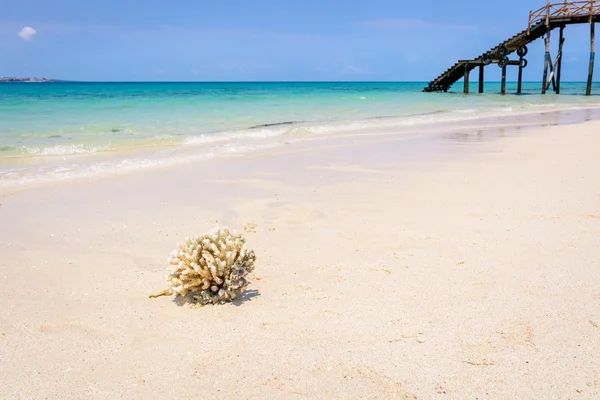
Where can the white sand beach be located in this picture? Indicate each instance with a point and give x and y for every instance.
(460, 266)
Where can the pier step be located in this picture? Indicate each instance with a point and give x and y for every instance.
(443, 82)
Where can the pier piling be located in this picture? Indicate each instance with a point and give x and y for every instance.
(553, 71)
(520, 77)
(561, 41)
(503, 91)
(481, 78)
(552, 77)
(466, 90)
(546, 62)
(588, 90)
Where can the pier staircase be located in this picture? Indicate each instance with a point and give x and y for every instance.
(541, 22)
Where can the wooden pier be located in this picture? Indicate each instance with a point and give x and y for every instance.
(541, 23)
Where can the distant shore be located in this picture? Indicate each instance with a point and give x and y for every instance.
(11, 79)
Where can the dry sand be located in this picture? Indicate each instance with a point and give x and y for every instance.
(462, 266)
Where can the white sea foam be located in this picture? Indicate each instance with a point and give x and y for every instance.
(466, 111)
(61, 150)
(226, 136)
(17, 178)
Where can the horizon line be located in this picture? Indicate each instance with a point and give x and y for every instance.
(52, 80)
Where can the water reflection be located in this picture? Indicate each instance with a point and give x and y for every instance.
(500, 127)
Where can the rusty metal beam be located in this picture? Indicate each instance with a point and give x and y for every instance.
(478, 62)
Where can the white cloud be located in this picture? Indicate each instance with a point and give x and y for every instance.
(27, 33)
(351, 69)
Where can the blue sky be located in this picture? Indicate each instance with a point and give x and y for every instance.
(196, 40)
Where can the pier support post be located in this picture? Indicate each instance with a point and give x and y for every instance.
(559, 64)
(522, 52)
(520, 79)
(504, 79)
(592, 56)
(466, 90)
(546, 63)
(552, 77)
(481, 78)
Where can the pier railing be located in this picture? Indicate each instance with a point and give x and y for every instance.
(566, 9)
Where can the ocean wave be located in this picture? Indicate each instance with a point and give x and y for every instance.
(63, 150)
(276, 124)
(370, 124)
(18, 178)
(227, 136)
(466, 111)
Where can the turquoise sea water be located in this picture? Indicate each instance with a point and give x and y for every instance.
(48, 129)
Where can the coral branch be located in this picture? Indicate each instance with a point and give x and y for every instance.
(166, 292)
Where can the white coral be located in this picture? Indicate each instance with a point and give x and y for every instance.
(210, 268)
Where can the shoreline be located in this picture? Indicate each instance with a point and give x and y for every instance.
(73, 168)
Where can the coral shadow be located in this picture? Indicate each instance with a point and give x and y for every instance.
(248, 295)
